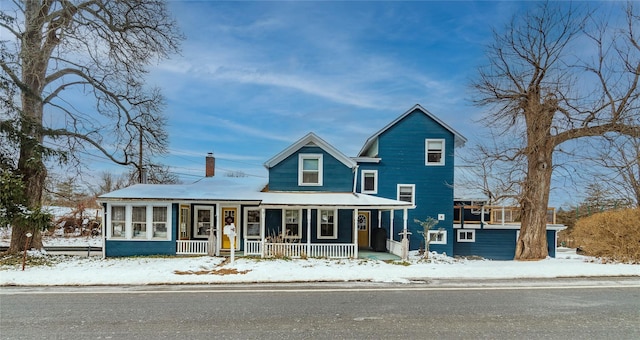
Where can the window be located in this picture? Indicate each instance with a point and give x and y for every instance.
(252, 220)
(438, 236)
(160, 222)
(369, 182)
(327, 226)
(118, 220)
(466, 235)
(310, 169)
(139, 222)
(291, 224)
(434, 152)
(406, 192)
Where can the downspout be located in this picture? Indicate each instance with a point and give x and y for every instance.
(355, 178)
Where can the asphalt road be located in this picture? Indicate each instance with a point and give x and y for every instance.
(322, 312)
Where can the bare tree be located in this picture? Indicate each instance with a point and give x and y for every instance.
(79, 67)
(616, 167)
(556, 75)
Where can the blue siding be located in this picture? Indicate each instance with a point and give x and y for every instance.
(402, 152)
(337, 177)
(497, 244)
(115, 248)
(273, 225)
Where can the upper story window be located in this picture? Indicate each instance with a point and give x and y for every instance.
(310, 169)
(434, 152)
(406, 192)
(369, 182)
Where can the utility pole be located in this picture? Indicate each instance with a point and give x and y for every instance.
(141, 177)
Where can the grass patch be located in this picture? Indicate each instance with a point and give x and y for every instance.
(15, 261)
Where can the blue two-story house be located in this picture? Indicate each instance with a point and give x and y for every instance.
(317, 202)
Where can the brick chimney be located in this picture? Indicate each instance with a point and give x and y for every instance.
(210, 165)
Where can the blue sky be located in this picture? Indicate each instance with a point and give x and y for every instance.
(254, 77)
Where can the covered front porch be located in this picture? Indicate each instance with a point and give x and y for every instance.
(304, 225)
(315, 250)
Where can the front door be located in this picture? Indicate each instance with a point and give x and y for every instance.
(363, 229)
(229, 217)
(203, 221)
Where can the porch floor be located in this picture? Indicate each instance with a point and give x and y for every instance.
(377, 255)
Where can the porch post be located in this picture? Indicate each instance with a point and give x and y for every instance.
(379, 218)
(218, 227)
(405, 239)
(391, 214)
(355, 233)
(308, 231)
(263, 215)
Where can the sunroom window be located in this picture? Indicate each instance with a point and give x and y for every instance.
(118, 221)
(310, 169)
(160, 222)
(139, 222)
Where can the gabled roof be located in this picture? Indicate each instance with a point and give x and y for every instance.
(459, 140)
(311, 139)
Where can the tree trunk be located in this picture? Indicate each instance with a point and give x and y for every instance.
(30, 164)
(538, 113)
(532, 242)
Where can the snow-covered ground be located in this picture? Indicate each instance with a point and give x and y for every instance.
(71, 270)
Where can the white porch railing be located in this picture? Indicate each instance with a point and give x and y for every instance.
(191, 247)
(394, 247)
(297, 250)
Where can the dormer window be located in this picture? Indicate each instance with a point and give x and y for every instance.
(434, 154)
(310, 169)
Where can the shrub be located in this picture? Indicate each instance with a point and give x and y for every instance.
(611, 235)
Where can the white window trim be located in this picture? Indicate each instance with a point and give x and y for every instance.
(284, 224)
(413, 192)
(470, 231)
(246, 223)
(335, 225)
(426, 152)
(146, 222)
(375, 182)
(128, 225)
(444, 236)
(110, 228)
(301, 158)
